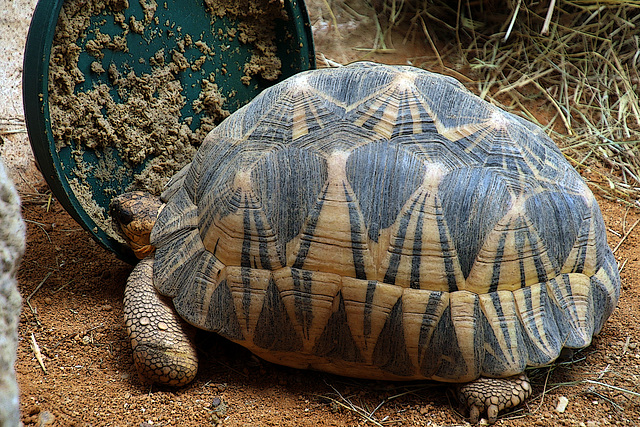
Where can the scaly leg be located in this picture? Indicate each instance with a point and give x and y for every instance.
(163, 349)
(493, 395)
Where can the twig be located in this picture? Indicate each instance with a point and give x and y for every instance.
(625, 347)
(330, 63)
(334, 21)
(12, 131)
(351, 407)
(33, 293)
(624, 264)
(62, 287)
(36, 350)
(613, 387)
(625, 236)
(42, 227)
(513, 21)
(544, 391)
(431, 43)
(547, 19)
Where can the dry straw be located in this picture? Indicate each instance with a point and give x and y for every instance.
(575, 62)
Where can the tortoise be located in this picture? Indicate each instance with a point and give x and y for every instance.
(372, 221)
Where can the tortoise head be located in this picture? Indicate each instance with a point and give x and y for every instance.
(136, 213)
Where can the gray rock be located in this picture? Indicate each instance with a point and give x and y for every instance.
(12, 243)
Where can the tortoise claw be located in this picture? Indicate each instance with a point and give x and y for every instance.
(492, 395)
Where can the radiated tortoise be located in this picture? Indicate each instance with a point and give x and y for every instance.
(372, 221)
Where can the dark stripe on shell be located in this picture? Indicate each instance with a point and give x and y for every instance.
(368, 307)
(519, 236)
(408, 108)
(263, 249)
(539, 351)
(358, 246)
(302, 281)
(581, 255)
(497, 263)
(336, 341)
(288, 183)
(416, 256)
(537, 259)
(600, 235)
(396, 246)
(245, 255)
(274, 330)
(506, 351)
(309, 230)
(429, 323)
(559, 220)
(390, 352)
(222, 318)
(445, 244)
(442, 355)
(570, 322)
(376, 116)
(245, 261)
(245, 274)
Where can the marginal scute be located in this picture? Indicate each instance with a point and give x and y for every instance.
(443, 358)
(368, 305)
(336, 342)
(248, 287)
(571, 293)
(390, 352)
(275, 330)
(422, 310)
(309, 298)
(539, 324)
(466, 320)
(504, 340)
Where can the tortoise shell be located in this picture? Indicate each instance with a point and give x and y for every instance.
(383, 222)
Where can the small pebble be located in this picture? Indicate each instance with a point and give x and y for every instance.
(562, 404)
(45, 418)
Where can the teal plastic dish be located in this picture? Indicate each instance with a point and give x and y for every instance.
(185, 26)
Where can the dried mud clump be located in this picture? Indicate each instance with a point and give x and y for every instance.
(132, 121)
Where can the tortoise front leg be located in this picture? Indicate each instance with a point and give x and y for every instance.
(163, 349)
(493, 395)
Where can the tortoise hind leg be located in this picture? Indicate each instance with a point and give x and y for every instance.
(493, 395)
(162, 343)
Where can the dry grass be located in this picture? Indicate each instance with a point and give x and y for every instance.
(575, 61)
